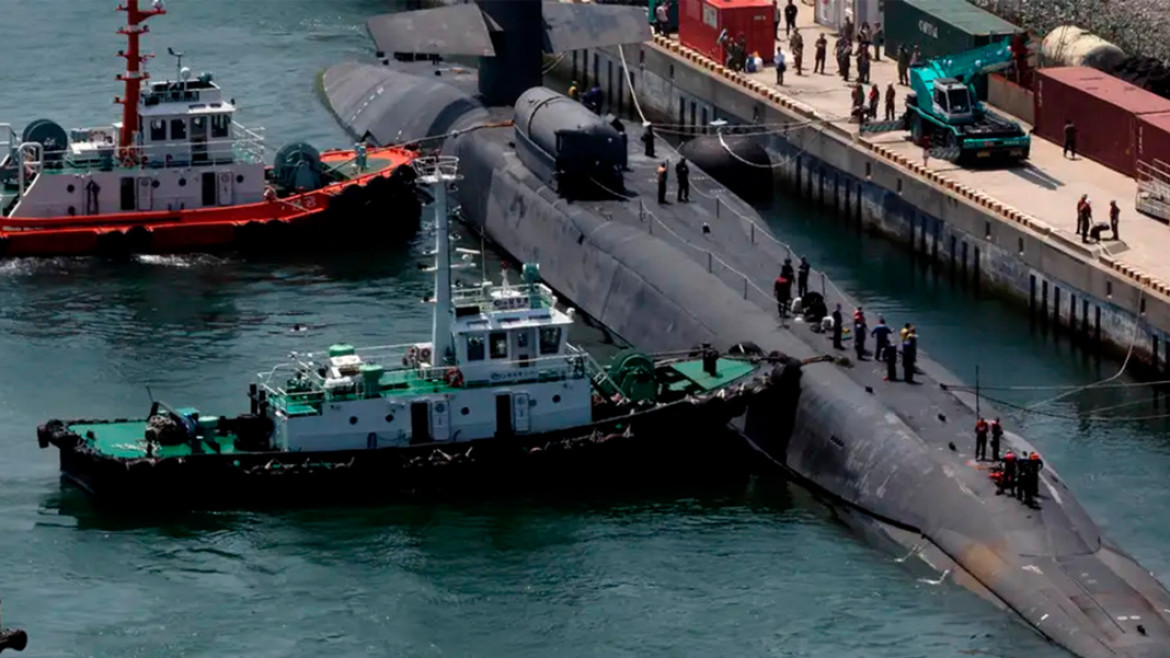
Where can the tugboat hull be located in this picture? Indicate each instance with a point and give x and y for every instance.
(676, 440)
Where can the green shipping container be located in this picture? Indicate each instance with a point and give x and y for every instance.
(942, 27)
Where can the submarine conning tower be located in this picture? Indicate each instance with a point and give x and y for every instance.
(508, 36)
(567, 146)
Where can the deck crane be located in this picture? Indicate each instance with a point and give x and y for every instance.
(944, 107)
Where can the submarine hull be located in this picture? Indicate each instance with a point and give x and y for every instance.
(675, 275)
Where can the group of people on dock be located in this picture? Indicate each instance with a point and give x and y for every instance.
(1018, 475)
(1085, 226)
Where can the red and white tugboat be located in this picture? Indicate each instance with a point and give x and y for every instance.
(178, 173)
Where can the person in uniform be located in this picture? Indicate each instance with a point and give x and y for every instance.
(891, 363)
(821, 45)
(786, 270)
(890, 111)
(683, 173)
(802, 277)
(837, 328)
(648, 138)
(782, 289)
(909, 355)
(662, 175)
(796, 43)
(860, 330)
(1034, 466)
(981, 430)
(1114, 217)
(996, 438)
(789, 17)
(881, 336)
(1008, 481)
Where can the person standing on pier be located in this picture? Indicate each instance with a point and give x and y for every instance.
(1008, 481)
(879, 40)
(863, 65)
(796, 43)
(837, 328)
(789, 17)
(662, 174)
(996, 438)
(683, 173)
(981, 430)
(822, 45)
(875, 95)
(802, 277)
(903, 64)
(777, 17)
(781, 66)
(890, 102)
(648, 138)
(844, 57)
(1070, 139)
(1114, 218)
(662, 18)
(881, 337)
(786, 270)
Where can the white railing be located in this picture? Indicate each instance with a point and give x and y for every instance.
(250, 143)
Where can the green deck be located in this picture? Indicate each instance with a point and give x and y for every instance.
(127, 440)
(728, 371)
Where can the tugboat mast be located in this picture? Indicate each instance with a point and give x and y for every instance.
(437, 174)
(134, 75)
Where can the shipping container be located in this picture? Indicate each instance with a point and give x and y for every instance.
(1153, 138)
(943, 27)
(701, 22)
(1103, 108)
(832, 13)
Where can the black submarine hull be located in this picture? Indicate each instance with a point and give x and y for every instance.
(878, 452)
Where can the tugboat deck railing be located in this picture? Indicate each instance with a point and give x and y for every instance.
(394, 381)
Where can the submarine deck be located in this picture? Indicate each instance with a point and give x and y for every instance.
(980, 536)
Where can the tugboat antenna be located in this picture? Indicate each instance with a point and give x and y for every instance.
(150, 395)
(178, 65)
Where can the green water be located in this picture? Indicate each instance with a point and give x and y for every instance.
(742, 568)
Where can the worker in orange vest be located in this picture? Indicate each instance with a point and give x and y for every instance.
(1008, 481)
(981, 429)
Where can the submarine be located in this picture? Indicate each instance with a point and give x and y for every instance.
(548, 181)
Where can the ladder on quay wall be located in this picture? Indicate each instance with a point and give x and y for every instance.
(1153, 190)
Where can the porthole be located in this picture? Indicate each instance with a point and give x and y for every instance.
(353, 420)
(465, 411)
(240, 178)
(389, 418)
(440, 407)
(182, 182)
(556, 399)
(154, 183)
(70, 189)
(72, 211)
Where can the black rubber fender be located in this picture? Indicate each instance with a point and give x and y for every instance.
(138, 239)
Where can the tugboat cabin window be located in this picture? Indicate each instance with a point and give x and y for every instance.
(158, 130)
(522, 339)
(128, 194)
(178, 129)
(550, 340)
(499, 344)
(220, 125)
(475, 348)
(198, 127)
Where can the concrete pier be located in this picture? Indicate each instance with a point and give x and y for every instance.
(1011, 228)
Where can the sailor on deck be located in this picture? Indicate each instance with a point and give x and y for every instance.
(881, 336)
(802, 277)
(909, 354)
(981, 430)
(663, 172)
(648, 138)
(996, 438)
(782, 289)
(860, 329)
(837, 322)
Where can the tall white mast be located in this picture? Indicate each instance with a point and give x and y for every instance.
(437, 174)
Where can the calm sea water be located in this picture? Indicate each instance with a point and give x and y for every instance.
(744, 568)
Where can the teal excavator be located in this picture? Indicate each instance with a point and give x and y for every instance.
(944, 108)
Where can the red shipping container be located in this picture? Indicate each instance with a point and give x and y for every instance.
(1103, 108)
(700, 22)
(1153, 138)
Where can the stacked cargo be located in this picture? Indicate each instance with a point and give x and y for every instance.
(709, 26)
(942, 27)
(1107, 113)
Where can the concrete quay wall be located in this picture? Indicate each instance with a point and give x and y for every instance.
(1107, 304)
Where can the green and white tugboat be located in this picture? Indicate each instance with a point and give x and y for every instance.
(498, 396)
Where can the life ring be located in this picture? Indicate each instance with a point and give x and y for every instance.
(454, 378)
(310, 202)
(411, 357)
(425, 355)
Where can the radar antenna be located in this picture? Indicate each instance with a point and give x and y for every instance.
(178, 64)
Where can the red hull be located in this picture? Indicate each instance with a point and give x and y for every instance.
(202, 228)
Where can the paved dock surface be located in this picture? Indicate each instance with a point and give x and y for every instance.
(1047, 187)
